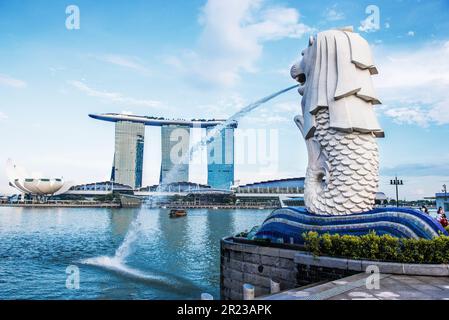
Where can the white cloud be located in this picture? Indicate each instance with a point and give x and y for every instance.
(232, 39)
(293, 107)
(11, 82)
(387, 25)
(411, 33)
(267, 119)
(283, 112)
(413, 84)
(411, 115)
(3, 116)
(125, 61)
(333, 14)
(113, 96)
(224, 107)
(280, 112)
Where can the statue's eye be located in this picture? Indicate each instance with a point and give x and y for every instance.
(302, 53)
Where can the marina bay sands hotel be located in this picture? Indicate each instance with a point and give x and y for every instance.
(128, 160)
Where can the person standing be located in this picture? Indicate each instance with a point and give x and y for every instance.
(442, 217)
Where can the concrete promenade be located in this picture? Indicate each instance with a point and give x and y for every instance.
(61, 205)
(391, 287)
(216, 206)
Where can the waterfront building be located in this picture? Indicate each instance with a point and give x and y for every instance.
(442, 200)
(180, 188)
(175, 143)
(99, 188)
(128, 155)
(19, 179)
(381, 199)
(280, 186)
(220, 159)
(4, 199)
(281, 192)
(105, 191)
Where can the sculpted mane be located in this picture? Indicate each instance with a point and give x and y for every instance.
(338, 66)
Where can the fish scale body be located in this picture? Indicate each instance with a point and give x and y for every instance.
(352, 180)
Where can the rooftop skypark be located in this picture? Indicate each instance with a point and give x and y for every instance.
(158, 121)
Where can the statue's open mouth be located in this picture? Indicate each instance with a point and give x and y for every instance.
(301, 78)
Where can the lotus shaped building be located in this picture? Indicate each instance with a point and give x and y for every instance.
(21, 180)
(40, 187)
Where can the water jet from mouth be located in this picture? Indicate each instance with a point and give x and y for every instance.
(117, 263)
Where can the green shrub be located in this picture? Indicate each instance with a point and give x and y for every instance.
(389, 248)
(374, 247)
(313, 242)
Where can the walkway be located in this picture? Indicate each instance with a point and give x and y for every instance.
(392, 287)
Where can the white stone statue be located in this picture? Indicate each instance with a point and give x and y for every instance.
(338, 123)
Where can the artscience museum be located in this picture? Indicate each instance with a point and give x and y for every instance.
(24, 183)
(39, 187)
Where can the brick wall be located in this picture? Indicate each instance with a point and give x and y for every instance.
(257, 265)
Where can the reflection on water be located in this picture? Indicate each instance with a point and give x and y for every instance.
(170, 259)
(121, 220)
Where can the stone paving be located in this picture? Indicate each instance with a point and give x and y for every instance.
(392, 287)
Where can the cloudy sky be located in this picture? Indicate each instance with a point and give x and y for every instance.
(208, 59)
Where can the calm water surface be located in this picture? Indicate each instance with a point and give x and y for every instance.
(170, 259)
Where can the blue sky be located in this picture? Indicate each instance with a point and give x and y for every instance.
(208, 59)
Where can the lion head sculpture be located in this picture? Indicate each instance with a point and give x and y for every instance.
(335, 73)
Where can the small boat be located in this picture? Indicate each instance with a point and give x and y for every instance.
(177, 213)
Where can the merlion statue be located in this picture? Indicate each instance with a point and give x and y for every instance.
(338, 123)
(340, 128)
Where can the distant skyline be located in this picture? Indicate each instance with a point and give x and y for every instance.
(208, 59)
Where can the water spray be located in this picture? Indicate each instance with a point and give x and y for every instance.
(117, 262)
